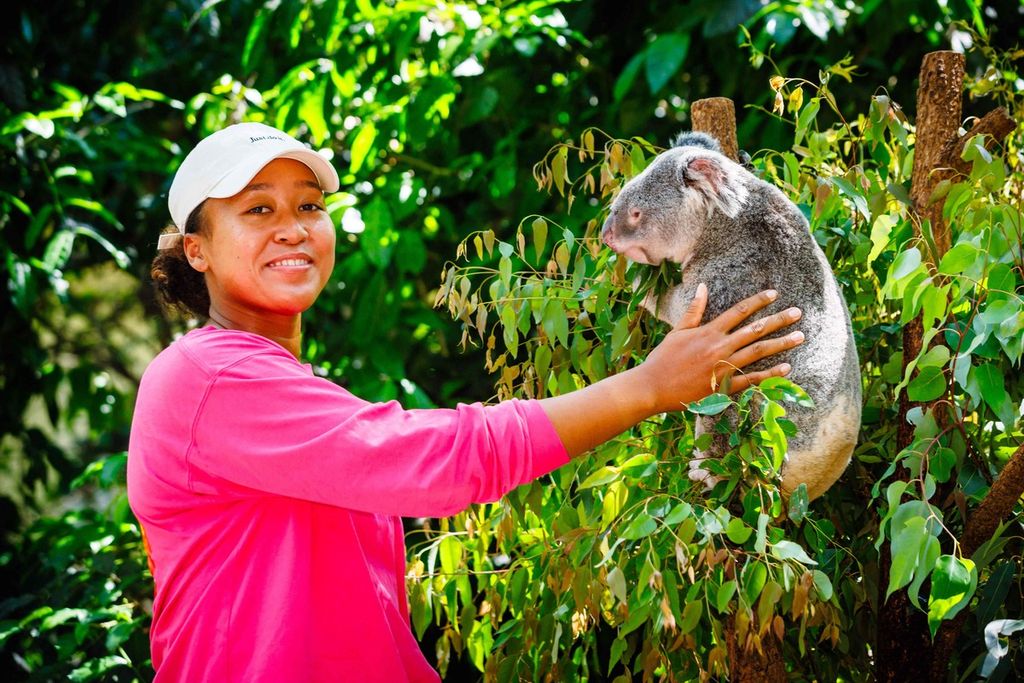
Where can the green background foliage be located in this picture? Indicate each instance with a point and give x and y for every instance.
(436, 114)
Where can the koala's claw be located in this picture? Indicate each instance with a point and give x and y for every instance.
(701, 475)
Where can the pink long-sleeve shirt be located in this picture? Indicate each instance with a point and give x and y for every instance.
(270, 501)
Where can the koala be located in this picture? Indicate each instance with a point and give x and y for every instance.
(739, 235)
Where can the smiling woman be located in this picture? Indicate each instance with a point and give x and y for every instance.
(269, 498)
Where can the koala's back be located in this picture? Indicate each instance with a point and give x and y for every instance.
(768, 245)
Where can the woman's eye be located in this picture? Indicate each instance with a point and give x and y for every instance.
(259, 209)
(311, 207)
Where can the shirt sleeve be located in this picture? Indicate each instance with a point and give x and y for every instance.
(265, 423)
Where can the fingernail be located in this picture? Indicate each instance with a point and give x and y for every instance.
(785, 368)
(771, 294)
(797, 336)
(794, 313)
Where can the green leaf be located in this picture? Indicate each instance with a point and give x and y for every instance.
(929, 552)
(929, 384)
(361, 146)
(905, 264)
(602, 476)
(540, 236)
(954, 580)
(738, 531)
(760, 543)
(788, 550)
(637, 617)
(678, 514)
(798, 502)
(450, 551)
(907, 545)
(620, 335)
(940, 463)
(711, 405)
(505, 270)
(639, 527)
(822, 585)
(612, 503)
(664, 57)
(804, 120)
(754, 577)
(881, 231)
(61, 616)
(618, 647)
(992, 384)
(691, 615)
(958, 259)
(311, 109)
(724, 595)
(625, 80)
(58, 250)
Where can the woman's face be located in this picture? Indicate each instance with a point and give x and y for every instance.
(268, 251)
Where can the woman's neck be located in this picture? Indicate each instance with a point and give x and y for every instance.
(284, 330)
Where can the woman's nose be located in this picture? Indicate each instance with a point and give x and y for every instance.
(293, 232)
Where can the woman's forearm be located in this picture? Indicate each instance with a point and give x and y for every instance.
(592, 415)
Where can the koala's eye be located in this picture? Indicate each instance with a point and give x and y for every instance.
(635, 214)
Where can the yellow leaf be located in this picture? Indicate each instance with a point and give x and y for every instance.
(796, 99)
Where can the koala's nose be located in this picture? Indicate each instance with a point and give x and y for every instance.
(607, 230)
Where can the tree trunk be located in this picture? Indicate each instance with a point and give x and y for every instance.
(904, 649)
(751, 666)
(938, 119)
(903, 645)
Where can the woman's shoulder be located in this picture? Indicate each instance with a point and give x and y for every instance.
(212, 350)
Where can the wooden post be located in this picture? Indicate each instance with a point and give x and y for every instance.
(717, 117)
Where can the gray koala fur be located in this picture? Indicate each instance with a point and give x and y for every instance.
(739, 235)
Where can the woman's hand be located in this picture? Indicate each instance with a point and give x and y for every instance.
(691, 362)
(696, 360)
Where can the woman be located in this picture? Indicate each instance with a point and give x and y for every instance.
(269, 497)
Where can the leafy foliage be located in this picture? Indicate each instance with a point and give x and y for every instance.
(632, 569)
(82, 593)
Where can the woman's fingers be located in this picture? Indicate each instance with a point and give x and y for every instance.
(744, 309)
(766, 325)
(764, 348)
(741, 381)
(695, 311)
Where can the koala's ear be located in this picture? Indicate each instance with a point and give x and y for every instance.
(714, 178)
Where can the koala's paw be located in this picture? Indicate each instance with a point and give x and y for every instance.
(699, 474)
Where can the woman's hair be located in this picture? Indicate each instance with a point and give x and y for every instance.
(180, 287)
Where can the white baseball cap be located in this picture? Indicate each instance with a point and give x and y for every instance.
(223, 163)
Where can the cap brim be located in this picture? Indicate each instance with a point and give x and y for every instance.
(235, 182)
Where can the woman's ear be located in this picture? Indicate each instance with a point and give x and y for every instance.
(193, 245)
